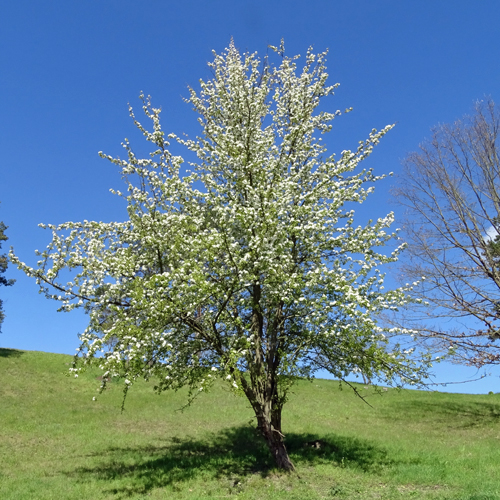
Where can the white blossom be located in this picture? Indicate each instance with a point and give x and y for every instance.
(249, 261)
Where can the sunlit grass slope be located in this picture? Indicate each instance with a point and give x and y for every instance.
(56, 443)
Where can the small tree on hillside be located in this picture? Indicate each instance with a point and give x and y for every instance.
(451, 190)
(3, 267)
(248, 267)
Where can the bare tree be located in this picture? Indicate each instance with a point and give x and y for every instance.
(451, 191)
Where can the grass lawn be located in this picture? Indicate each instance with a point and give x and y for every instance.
(56, 443)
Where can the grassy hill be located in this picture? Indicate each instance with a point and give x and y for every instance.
(56, 443)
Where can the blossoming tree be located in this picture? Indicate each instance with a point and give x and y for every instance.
(247, 267)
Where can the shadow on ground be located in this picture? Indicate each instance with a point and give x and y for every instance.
(10, 353)
(456, 414)
(231, 454)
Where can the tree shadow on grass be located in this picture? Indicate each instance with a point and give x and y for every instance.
(227, 456)
(10, 353)
(459, 415)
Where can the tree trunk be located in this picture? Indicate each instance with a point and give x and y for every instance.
(274, 439)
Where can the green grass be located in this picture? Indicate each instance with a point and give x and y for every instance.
(56, 443)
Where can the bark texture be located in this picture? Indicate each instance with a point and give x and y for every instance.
(267, 407)
(275, 441)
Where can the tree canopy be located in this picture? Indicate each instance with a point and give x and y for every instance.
(248, 267)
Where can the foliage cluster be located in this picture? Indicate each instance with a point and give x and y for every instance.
(3, 267)
(248, 267)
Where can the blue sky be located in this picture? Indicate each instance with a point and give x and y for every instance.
(68, 70)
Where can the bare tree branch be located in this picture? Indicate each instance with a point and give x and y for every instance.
(451, 191)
